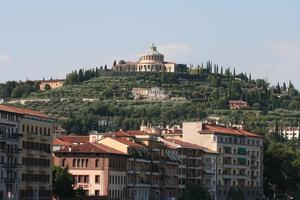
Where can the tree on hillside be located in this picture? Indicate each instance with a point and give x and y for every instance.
(47, 87)
(62, 183)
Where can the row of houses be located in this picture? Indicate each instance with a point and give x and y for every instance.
(154, 163)
(150, 163)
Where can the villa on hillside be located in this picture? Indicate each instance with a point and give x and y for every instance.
(152, 61)
(154, 93)
(238, 104)
(57, 83)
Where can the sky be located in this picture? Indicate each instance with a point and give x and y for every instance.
(49, 38)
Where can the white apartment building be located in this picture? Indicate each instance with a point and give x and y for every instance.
(240, 161)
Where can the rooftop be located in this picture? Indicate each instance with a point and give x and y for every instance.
(227, 130)
(21, 111)
(91, 148)
(78, 139)
(127, 142)
(53, 80)
(187, 145)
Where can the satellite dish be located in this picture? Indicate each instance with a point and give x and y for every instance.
(1, 100)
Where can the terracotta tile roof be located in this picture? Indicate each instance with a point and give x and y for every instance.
(57, 142)
(136, 132)
(131, 133)
(22, 111)
(91, 148)
(188, 145)
(127, 142)
(119, 134)
(79, 139)
(227, 130)
(51, 81)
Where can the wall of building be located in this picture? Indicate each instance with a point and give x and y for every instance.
(36, 171)
(9, 155)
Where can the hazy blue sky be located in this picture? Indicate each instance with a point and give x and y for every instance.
(50, 38)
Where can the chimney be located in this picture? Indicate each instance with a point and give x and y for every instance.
(70, 148)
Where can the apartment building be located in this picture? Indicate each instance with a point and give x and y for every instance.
(197, 165)
(9, 154)
(240, 160)
(152, 169)
(36, 171)
(98, 169)
(28, 174)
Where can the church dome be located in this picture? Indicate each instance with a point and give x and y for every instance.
(153, 56)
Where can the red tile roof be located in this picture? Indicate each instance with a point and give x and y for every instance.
(135, 132)
(188, 145)
(79, 139)
(51, 81)
(57, 141)
(91, 148)
(228, 131)
(119, 134)
(22, 111)
(130, 133)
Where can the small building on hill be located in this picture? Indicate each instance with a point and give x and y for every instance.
(288, 132)
(57, 83)
(154, 93)
(238, 104)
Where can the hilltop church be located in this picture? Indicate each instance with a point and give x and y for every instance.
(152, 61)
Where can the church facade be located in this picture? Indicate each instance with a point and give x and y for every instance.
(152, 61)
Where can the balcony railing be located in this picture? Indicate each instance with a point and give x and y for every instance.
(12, 165)
(10, 180)
(11, 136)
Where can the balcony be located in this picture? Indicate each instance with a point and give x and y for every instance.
(254, 166)
(10, 180)
(11, 166)
(253, 176)
(10, 136)
(242, 151)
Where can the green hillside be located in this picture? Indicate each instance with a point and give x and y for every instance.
(207, 93)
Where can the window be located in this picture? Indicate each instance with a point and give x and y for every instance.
(97, 179)
(86, 179)
(63, 162)
(97, 163)
(86, 162)
(97, 193)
